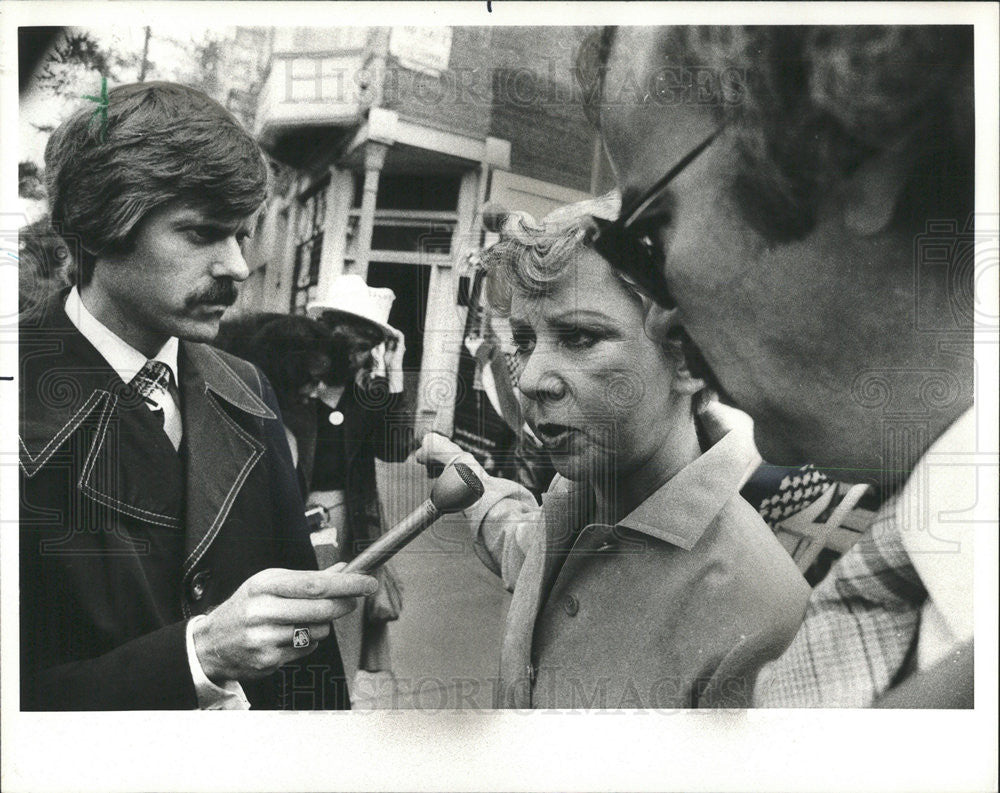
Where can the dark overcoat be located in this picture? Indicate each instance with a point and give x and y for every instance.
(123, 539)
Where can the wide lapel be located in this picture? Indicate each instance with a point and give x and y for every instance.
(571, 511)
(220, 450)
(561, 508)
(75, 411)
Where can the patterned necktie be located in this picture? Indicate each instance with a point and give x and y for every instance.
(778, 492)
(861, 625)
(155, 385)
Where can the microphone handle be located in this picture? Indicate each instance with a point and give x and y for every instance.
(386, 546)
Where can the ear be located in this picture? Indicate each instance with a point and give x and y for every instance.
(684, 381)
(872, 192)
(663, 326)
(657, 320)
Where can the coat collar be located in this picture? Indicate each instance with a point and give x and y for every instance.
(682, 509)
(221, 446)
(64, 379)
(567, 507)
(69, 391)
(207, 368)
(678, 512)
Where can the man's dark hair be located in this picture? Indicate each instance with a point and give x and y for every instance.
(161, 142)
(809, 105)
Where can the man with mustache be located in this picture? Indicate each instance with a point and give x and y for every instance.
(800, 200)
(165, 561)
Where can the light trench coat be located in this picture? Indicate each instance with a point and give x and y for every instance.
(678, 605)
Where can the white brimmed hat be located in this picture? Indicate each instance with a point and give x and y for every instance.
(350, 298)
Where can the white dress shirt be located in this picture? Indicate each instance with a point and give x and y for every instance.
(127, 362)
(938, 533)
(125, 359)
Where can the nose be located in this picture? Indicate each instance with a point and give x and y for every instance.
(230, 261)
(539, 379)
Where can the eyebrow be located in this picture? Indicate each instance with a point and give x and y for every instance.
(196, 217)
(572, 317)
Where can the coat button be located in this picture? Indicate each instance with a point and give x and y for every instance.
(571, 605)
(198, 585)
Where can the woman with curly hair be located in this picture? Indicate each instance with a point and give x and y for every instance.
(643, 579)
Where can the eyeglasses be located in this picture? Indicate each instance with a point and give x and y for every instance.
(633, 251)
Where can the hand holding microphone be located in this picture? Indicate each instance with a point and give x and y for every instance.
(258, 629)
(457, 488)
(261, 626)
(437, 452)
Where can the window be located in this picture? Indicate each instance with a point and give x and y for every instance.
(436, 193)
(308, 245)
(415, 218)
(407, 235)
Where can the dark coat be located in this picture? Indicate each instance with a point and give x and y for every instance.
(123, 539)
(376, 424)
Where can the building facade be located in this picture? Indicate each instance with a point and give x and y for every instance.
(387, 143)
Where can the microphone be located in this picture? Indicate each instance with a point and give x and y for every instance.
(457, 488)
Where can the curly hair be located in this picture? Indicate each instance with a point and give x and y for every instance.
(532, 257)
(161, 142)
(808, 105)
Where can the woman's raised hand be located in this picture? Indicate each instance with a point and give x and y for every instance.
(436, 453)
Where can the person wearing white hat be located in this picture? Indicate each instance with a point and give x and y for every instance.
(356, 420)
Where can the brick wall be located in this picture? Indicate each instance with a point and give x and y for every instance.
(537, 104)
(456, 101)
(511, 83)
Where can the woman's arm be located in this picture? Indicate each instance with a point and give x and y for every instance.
(506, 521)
(396, 445)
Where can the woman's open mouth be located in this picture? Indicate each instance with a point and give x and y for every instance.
(554, 435)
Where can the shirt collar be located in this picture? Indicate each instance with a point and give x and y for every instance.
(125, 359)
(682, 509)
(927, 486)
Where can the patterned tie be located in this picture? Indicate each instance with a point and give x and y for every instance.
(155, 385)
(778, 492)
(860, 628)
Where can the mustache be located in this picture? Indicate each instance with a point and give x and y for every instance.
(221, 292)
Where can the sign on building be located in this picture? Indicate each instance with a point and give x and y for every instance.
(423, 50)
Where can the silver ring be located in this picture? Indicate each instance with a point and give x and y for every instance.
(300, 638)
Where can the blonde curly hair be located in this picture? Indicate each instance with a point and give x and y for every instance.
(531, 257)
